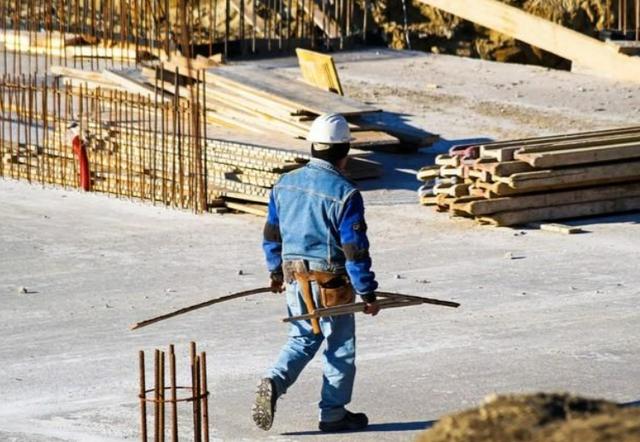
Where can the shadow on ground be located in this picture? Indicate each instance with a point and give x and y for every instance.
(376, 428)
(629, 217)
(630, 404)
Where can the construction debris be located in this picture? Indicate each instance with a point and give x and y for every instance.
(537, 179)
(538, 417)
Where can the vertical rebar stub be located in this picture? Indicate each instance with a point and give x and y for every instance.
(197, 393)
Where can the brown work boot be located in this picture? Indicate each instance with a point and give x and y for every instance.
(264, 408)
(350, 422)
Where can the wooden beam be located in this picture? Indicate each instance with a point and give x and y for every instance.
(587, 155)
(574, 176)
(79, 74)
(557, 228)
(132, 81)
(503, 168)
(253, 209)
(603, 140)
(519, 217)
(544, 34)
(480, 207)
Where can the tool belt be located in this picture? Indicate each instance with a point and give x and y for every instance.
(335, 288)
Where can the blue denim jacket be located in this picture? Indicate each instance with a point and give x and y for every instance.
(317, 214)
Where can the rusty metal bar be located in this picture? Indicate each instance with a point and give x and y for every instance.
(156, 397)
(143, 398)
(174, 394)
(194, 392)
(204, 391)
(162, 401)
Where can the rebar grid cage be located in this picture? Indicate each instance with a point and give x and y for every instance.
(155, 401)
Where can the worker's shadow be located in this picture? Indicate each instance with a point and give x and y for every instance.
(631, 217)
(399, 170)
(376, 428)
(635, 404)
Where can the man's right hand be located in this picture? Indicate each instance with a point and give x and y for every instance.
(371, 306)
(277, 282)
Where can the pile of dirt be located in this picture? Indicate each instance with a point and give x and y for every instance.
(539, 418)
(431, 29)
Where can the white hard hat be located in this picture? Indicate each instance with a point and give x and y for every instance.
(329, 129)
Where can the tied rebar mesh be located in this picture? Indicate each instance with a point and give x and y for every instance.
(144, 147)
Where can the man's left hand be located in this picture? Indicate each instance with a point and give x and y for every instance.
(371, 308)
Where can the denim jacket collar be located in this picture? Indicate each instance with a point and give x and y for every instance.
(325, 165)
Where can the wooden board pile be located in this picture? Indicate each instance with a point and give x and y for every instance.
(260, 102)
(537, 179)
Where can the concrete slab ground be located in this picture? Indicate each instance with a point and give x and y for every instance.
(540, 311)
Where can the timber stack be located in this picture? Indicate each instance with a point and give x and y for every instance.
(269, 116)
(257, 101)
(516, 182)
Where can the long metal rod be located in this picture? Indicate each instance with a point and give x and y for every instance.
(200, 305)
(347, 310)
(390, 300)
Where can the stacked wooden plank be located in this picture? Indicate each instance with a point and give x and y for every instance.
(538, 179)
(243, 174)
(261, 101)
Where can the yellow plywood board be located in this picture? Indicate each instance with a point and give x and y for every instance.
(319, 70)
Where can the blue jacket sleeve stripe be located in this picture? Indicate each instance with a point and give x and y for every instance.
(272, 242)
(355, 244)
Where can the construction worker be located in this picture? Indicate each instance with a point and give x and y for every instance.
(315, 241)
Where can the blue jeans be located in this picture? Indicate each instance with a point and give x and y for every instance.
(338, 357)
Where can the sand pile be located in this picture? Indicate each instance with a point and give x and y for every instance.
(539, 418)
(431, 29)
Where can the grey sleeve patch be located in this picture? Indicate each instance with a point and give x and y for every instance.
(353, 253)
(272, 232)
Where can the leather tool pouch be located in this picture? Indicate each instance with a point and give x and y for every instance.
(336, 291)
